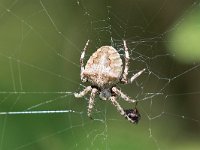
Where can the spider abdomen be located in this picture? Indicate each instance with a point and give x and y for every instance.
(104, 66)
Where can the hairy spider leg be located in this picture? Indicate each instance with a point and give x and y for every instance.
(127, 58)
(122, 95)
(125, 74)
(119, 108)
(83, 92)
(91, 102)
(82, 59)
(136, 75)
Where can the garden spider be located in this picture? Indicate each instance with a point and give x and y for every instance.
(104, 70)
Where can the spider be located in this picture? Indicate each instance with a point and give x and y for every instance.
(104, 70)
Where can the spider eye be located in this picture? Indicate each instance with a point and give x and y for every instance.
(133, 114)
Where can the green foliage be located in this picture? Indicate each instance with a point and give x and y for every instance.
(184, 42)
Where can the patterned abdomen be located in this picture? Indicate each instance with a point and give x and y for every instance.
(104, 67)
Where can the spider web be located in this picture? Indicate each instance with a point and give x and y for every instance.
(40, 46)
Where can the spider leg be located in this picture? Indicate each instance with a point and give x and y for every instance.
(136, 75)
(91, 102)
(83, 93)
(122, 95)
(127, 58)
(120, 109)
(125, 74)
(81, 60)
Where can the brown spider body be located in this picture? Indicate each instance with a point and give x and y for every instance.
(104, 70)
(104, 67)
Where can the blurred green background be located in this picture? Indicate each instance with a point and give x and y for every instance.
(40, 46)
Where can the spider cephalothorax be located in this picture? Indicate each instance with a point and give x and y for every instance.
(104, 70)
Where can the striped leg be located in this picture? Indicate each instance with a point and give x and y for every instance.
(81, 60)
(127, 58)
(91, 102)
(120, 109)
